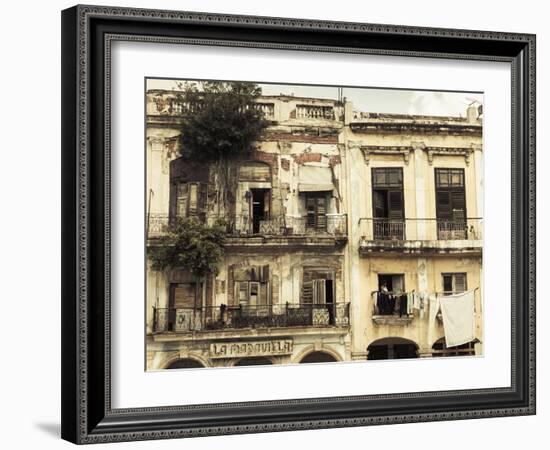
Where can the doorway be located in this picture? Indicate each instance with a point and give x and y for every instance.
(259, 208)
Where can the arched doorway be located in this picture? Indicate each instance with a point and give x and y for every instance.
(256, 361)
(185, 363)
(439, 349)
(317, 357)
(392, 348)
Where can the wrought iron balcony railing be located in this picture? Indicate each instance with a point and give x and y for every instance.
(239, 226)
(381, 229)
(259, 316)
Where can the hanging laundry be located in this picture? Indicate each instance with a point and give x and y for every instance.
(433, 300)
(458, 318)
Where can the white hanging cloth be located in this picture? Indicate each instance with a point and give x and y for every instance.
(458, 318)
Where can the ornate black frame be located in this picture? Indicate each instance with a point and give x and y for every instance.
(87, 416)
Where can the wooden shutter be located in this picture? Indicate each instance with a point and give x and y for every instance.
(183, 295)
(443, 204)
(310, 209)
(182, 199)
(193, 193)
(241, 292)
(203, 200)
(263, 299)
(319, 292)
(395, 204)
(397, 283)
(460, 282)
(254, 293)
(458, 205)
(307, 291)
(321, 213)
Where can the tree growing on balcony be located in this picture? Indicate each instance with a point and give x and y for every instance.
(221, 125)
(193, 246)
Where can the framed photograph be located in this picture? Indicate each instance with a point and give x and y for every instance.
(281, 224)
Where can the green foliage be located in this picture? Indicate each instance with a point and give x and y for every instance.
(190, 245)
(223, 121)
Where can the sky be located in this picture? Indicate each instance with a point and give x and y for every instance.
(395, 101)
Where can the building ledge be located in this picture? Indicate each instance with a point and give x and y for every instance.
(329, 241)
(460, 246)
(240, 333)
(392, 320)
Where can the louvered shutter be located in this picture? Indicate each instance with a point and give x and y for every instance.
(321, 213)
(203, 200)
(460, 282)
(307, 292)
(443, 199)
(395, 204)
(181, 199)
(458, 205)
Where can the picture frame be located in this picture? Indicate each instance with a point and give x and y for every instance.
(87, 413)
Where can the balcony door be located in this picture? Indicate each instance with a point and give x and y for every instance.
(259, 208)
(450, 200)
(316, 211)
(387, 203)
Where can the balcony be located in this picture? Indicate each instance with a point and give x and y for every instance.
(219, 318)
(420, 235)
(390, 310)
(329, 229)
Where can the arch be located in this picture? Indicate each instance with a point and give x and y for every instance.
(392, 348)
(254, 171)
(198, 361)
(439, 348)
(311, 349)
(317, 357)
(254, 361)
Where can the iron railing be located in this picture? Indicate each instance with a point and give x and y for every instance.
(382, 229)
(259, 316)
(241, 225)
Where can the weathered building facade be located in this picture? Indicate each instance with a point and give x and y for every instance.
(332, 205)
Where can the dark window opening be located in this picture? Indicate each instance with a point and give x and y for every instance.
(390, 298)
(186, 363)
(257, 361)
(260, 199)
(392, 348)
(317, 357)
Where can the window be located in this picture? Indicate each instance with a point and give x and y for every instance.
(316, 211)
(454, 283)
(190, 200)
(387, 203)
(252, 293)
(450, 203)
(317, 286)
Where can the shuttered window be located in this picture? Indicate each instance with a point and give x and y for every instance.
(450, 194)
(454, 283)
(316, 208)
(387, 193)
(252, 293)
(190, 200)
(317, 286)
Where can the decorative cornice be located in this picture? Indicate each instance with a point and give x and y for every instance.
(367, 150)
(449, 151)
